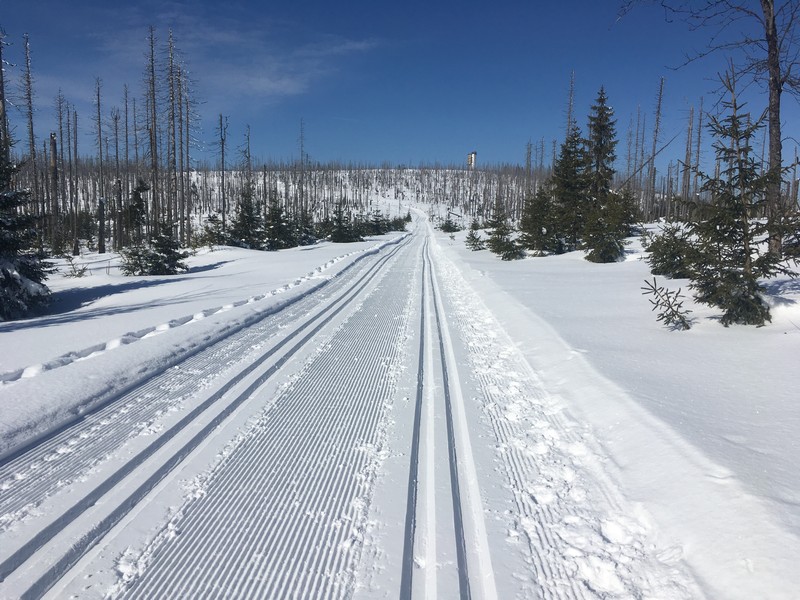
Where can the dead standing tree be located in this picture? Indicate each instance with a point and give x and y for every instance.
(769, 51)
(5, 140)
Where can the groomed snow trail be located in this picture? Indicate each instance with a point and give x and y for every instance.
(582, 539)
(445, 547)
(281, 514)
(51, 489)
(256, 465)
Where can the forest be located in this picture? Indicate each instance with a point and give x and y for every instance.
(146, 191)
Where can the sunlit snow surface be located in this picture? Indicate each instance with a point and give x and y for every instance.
(616, 458)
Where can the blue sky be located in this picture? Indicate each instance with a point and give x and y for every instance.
(403, 82)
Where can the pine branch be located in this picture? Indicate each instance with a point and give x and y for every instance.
(669, 304)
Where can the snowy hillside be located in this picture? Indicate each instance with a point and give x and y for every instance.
(399, 416)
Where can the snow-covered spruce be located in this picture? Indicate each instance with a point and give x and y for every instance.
(22, 272)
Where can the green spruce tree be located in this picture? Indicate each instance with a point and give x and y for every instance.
(601, 146)
(303, 233)
(570, 195)
(473, 240)
(609, 224)
(537, 228)
(279, 234)
(247, 229)
(343, 228)
(22, 272)
(166, 256)
(160, 256)
(610, 214)
(500, 240)
(212, 231)
(728, 237)
(671, 252)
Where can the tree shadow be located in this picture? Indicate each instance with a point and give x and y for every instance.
(778, 290)
(210, 267)
(68, 301)
(65, 302)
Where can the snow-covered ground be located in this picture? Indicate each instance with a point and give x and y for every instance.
(398, 416)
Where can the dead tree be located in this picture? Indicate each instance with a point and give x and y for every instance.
(5, 140)
(152, 126)
(766, 36)
(27, 92)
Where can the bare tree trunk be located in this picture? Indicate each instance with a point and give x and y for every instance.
(687, 161)
(774, 204)
(27, 90)
(117, 212)
(127, 144)
(629, 153)
(101, 189)
(63, 112)
(223, 134)
(187, 166)
(795, 185)
(135, 143)
(571, 104)
(172, 187)
(651, 188)
(695, 190)
(70, 168)
(5, 140)
(101, 217)
(74, 188)
(54, 208)
(640, 179)
(153, 130)
(302, 200)
(181, 181)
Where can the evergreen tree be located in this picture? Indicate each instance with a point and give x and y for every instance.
(303, 234)
(728, 237)
(167, 257)
(500, 241)
(449, 226)
(212, 231)
(279, 233)
(247, 229)
(136, 213)
(537, 228)
(601, 146)
(161, 256)
(570, 192)
(608, 226)
(343, 229)
(473, 240)
(611, 214)
(671, 252)
(22, 272)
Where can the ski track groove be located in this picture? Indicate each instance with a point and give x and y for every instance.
(465, 590)
(409, 537)
(466, 533)
(304, 463)
(49, 578)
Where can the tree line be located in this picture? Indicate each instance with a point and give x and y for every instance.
(724, 245)
(144, 179)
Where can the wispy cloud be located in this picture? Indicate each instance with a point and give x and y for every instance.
(233, 58)
(239, 58)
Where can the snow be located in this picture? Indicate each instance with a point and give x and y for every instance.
(600, 455)
(107, 311)
(699, 427)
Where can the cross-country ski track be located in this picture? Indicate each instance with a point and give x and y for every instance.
(376, 437)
